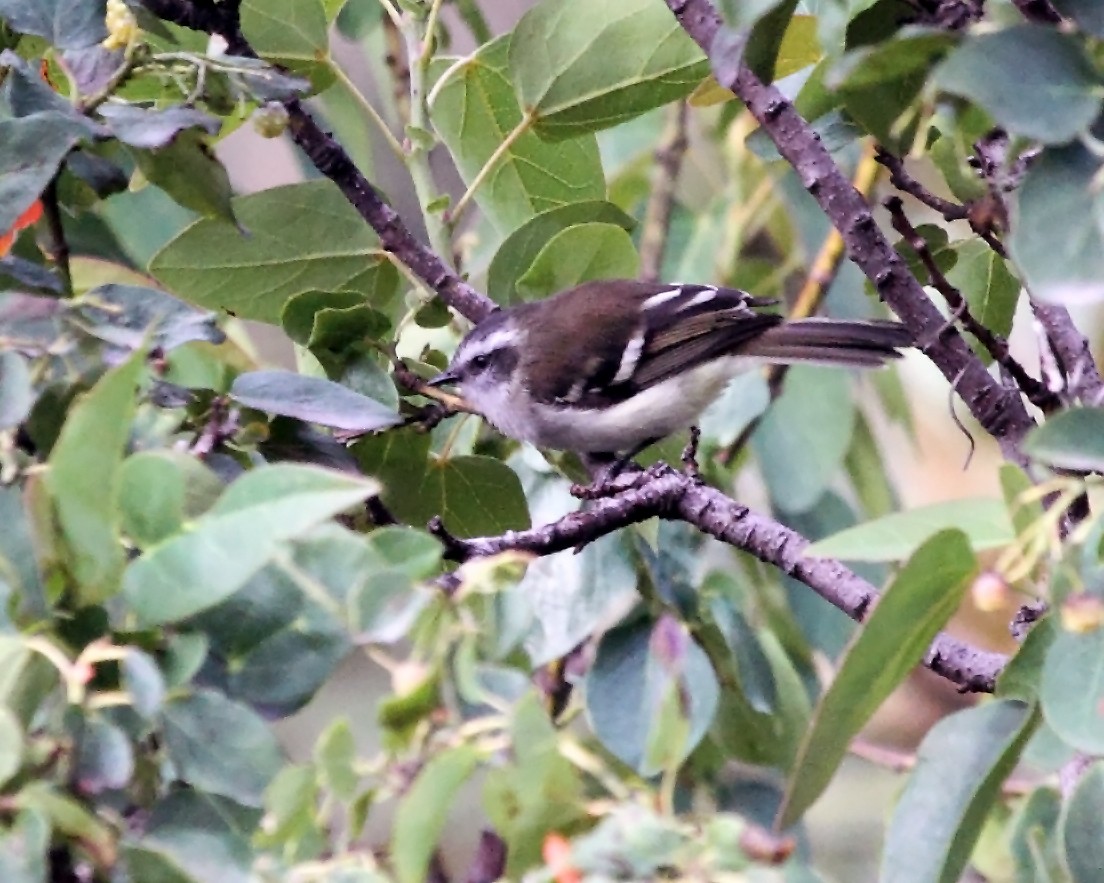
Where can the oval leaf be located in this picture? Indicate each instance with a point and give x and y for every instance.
(312, 399)
(1081, 827)
(580, 254)
(1034, 81)
(1072, 689)
(221, 746)
(422, 813)
(243, 532)
(517, 253)
(628, 685)
(1072, 439)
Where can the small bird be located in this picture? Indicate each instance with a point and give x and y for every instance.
(611, 366)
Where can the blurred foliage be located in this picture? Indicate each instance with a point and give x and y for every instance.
(191, 543)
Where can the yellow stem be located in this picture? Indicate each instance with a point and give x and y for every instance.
(366, 105)
(520, 129)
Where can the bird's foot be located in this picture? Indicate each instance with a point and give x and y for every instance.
(690, 455)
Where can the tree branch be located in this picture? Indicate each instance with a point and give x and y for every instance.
(994, 344)
(997, 408)
(657, 215)
(665, 493)
(332, 161)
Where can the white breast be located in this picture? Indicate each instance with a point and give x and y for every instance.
(656, 412)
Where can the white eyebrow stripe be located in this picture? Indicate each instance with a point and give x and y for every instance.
(657, 299)
(702, 297)
(494, 341)
(629, 358)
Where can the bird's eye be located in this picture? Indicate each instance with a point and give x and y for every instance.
(479, 363)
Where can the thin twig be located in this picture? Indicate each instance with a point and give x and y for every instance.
(366, 105)
(452, 215)
(994, 344)
(997, 408)
(670, 494)
(1070, 350)
(657, 214)
(57, 245)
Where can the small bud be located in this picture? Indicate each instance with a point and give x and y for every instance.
(122, 26)
(990, 592)
(270, 120)
(1082, 613)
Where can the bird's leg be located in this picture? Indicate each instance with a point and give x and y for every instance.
(690, 455)
(606, 484)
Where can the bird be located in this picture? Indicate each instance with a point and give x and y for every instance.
(609, 367)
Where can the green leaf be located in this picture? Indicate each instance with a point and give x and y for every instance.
(105, 759)
(16, 394)
(892, 641)
(475, 496)
(128, 316)
(517, 253)
(1020, 678)
(1072, 690)
(153, 128)
(34, 147)
(1058, 239)
(579, 254)
(253, 276)
(220, 746)
(1032, 79)
(537, 791)
(1081, 827)
(959, 770)
(338, 321)
(312, 399)
(191, 837)
(878, 83)
(246, 529)
(765, 40)
(475, 110)
(67, 816)
(159, 490)
(24, 846)
(335, 754)
(1088, 14)
(1071, 439)
(67, 24)
(83, 479)
(11, 746)
(803, 439)
(1032, 838)
(581, 67)
(985, 524)
(990, 289)
(292, 34)
(629, 683)
(188, 170)
(421, 815)
(144, 682)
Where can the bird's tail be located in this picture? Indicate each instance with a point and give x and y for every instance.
(855, 343)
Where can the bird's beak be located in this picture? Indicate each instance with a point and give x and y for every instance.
(445, 377)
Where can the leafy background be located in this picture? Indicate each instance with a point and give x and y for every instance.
(229, 608)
